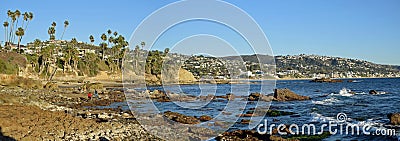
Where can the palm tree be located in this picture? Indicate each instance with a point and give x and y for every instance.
(30, 17)
(36, 44)
(17, 14)
(9, 14)
(5, 24)
(115, 34)
(143, 44)
(66, 23)
(111, 40)
(67, 51)
(91, 38)
(25, 18)
(13, 19)
(103, 45)
(166, 51)
(51, 33)
(120, 45)
(109, 32)
(20, 32)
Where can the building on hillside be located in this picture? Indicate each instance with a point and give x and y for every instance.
(82, 52)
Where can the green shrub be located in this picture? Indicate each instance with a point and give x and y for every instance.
(8, 68)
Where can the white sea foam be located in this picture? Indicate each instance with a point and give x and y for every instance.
(328, 101)
(346, 92)
(320, 118)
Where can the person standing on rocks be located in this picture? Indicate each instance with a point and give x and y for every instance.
(89, 95)
(96, 94)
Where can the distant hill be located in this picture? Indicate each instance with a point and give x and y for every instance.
(308, 65)
(256, 58)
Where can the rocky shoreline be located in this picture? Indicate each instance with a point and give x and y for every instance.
(65, 113)
(49, 115)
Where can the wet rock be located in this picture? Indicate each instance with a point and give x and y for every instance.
(205, 118)
(254, 96)
(287, 95)
(228, 96)
(258, 96)
(242, 135)
(373, 92)
(181, 97)
(247, 114)
(157, 94)
(245, 121)
(276, 113)
(327, 80)
(207, 98)
(394, 118)
(181, 118)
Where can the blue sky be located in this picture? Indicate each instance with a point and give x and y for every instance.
(362, 29)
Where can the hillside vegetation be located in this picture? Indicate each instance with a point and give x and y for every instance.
(9, 62)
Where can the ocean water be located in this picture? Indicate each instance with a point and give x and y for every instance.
(327, 101)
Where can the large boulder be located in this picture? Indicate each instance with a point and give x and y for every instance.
(394, 118)
(288, 95)
(186, 76)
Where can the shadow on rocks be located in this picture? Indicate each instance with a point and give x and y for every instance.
(5, 138)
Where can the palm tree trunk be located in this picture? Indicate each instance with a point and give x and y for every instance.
(102, 58)
(10, 35)
(19, 46)
(5, 36)
(62, 35)
(16, 27)
(26, 26)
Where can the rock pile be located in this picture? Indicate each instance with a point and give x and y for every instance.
(46, 125)
(287, 95)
